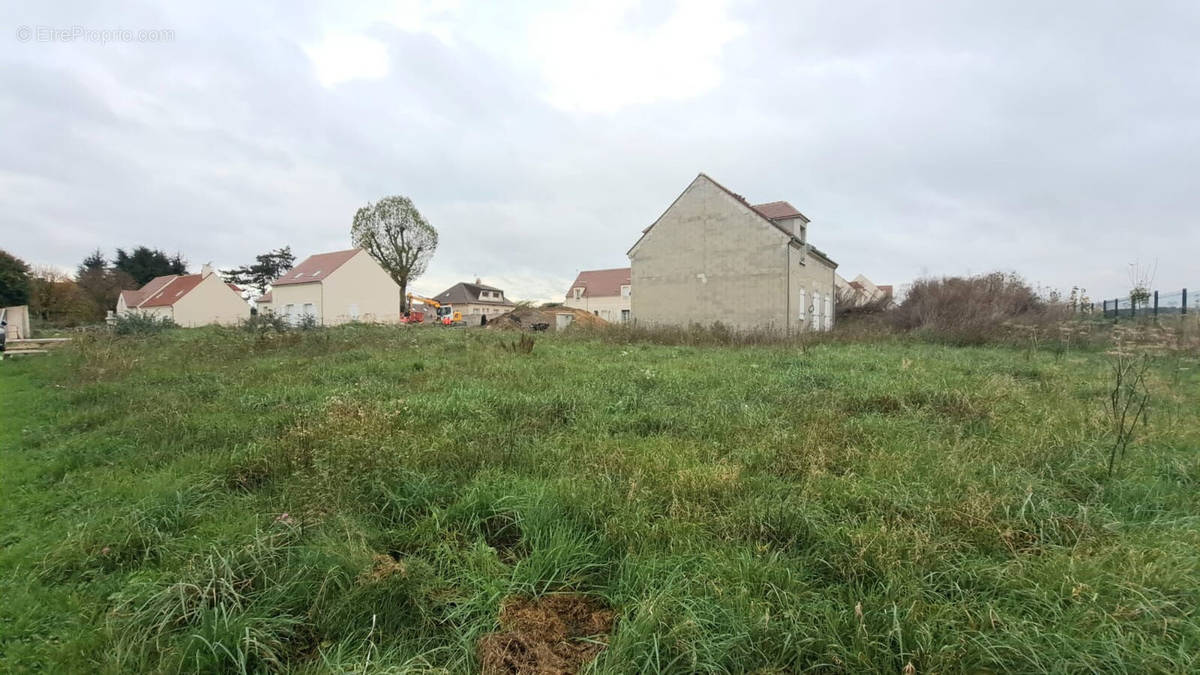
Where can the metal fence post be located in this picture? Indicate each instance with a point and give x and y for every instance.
(1155, 303)
(1184, 305)
(1132, 307)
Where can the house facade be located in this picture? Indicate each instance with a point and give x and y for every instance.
(604, 293)
(475, 300)
(714, 257)
(187, 299)
(336, 288)
(863, 291)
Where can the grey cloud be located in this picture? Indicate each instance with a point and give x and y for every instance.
(1060, 141)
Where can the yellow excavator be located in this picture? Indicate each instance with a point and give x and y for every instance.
(445, 314)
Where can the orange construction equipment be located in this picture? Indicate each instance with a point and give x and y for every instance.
(445, 313)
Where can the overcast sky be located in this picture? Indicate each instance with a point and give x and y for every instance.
(1057, 139)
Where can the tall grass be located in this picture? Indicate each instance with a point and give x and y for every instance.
(367, 499)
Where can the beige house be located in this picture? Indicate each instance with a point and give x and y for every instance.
(712, 256)
(605, 293)
(263, 303)
(862, 291)
(475, 300)
(335, 288)
(187, 299)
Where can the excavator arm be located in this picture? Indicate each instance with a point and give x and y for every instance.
(446, 314)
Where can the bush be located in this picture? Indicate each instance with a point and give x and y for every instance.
(967, 310)
(142, 323)
(265, 322)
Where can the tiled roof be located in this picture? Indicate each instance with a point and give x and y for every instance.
(464, 292)
(265, 297)
(315, 267)
(172, 291)
(135, 298)
(778, 211)
(601, 283)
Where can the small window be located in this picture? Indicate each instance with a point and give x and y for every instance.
(597, 313)
(578, 293)
(625, 291)
(625, 315)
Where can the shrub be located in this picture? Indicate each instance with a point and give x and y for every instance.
(849, 304)
(264, 322)
(967, 310)
(142, 323)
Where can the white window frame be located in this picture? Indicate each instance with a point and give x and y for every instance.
(803, 309)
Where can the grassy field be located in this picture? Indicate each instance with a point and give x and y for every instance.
(370, 499)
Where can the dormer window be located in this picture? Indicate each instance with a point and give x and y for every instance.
(625, 291)
(578, 293)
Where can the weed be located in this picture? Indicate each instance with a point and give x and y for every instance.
(1126, 400)
(524, 345)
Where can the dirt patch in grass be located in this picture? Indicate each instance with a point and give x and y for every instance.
(382, 566)
(553, 635)
(502, 532)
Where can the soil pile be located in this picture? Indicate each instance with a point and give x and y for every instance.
(553, 635)
(525, 318)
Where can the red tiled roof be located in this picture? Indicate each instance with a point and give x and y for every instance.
(135, 298)
(601, 283)
(315, 267)
(265, 297)
(778, 211)
(172, 291)
(234, 287)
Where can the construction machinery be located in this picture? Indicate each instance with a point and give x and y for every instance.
(445, 314)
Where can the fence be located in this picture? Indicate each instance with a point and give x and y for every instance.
(1154, 303)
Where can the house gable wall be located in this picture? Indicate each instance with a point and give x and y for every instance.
(710, 258)
(359, 284)
(211, 301)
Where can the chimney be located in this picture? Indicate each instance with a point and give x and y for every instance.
(206, 270)
(477, 281)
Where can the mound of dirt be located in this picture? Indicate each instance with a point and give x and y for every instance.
(553, 635)
(525, 318)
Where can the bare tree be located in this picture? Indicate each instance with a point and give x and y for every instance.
(395, 234)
